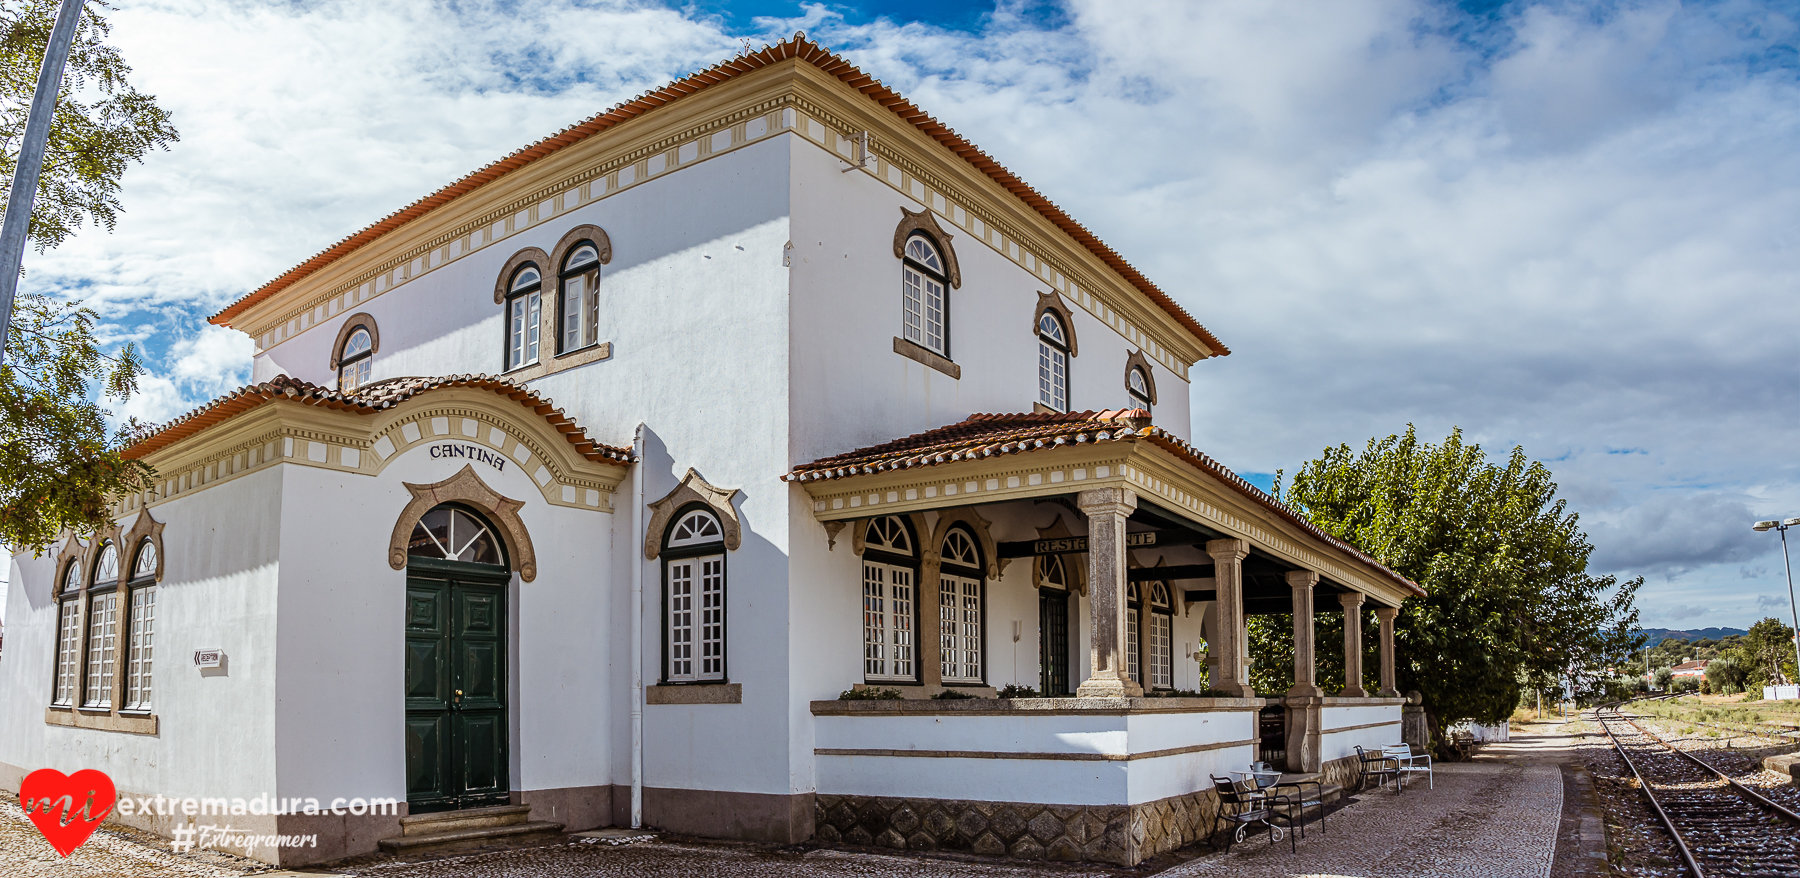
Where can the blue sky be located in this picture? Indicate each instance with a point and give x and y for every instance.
(1566, 225)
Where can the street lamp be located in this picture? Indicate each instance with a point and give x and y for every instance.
(1782, 528)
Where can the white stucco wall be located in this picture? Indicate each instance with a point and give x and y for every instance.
(1337, 745)
(217, 734)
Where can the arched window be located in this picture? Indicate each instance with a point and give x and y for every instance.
(140, 647)
(1055, 582)
(1133, 638)
(102, 629)
(353, 361)
(1161, 654)
(889, 600)
(580, 300)
(924, 300)
(447, 533)
(694, 599)
(960, 606)
(524, 304)
(68, 636)
(1053, 362)
(1137, 386)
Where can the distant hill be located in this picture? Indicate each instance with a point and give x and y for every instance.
(1654, 636)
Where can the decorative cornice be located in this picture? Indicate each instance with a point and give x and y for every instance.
(693, 489)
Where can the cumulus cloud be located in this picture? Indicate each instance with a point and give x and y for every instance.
(1561, 225)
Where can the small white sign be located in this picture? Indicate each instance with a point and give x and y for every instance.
(209, 658)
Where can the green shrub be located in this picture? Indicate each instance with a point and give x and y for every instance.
(951, 695)
(1014, 690)
(869, 695)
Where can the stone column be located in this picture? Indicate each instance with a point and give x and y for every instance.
(1352, 602)
(1233, 645)
(1387, 615)
(1305, 700)
(930, 631)
(1106, 510)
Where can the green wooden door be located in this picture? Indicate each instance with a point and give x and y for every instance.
(456, 728)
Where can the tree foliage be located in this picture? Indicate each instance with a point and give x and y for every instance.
(1509, 604)
(59, 468)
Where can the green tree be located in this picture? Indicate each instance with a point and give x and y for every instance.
(1509, 604)
(1663, 675)
(1768, 652)
(1727, 674)
(59, 468)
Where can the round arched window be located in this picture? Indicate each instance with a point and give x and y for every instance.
(353, 362)
(451, 534)
(145, 566)
(1053, 363)
(524, 306)
(924, 312)
(107, 570)
(1139, 388)
(695, 528)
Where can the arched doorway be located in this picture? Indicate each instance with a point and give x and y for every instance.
(456, 649)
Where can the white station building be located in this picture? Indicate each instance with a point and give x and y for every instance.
(628, 405)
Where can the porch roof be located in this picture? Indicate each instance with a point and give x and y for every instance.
(1115, 433)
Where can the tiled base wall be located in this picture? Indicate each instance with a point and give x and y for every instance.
(1119, 834)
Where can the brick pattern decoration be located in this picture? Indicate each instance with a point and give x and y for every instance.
(1118, 834)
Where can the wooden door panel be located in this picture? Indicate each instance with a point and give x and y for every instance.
(456, 725)
(427, 756)
(483, 752)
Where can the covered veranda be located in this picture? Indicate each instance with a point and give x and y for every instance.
(1143, 508)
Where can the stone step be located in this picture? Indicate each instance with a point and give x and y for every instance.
(439, 822)
(469, 839)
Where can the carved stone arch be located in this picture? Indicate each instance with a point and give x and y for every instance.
(72, 552)
(1137, 360)
(693, 489)
(1059, 529)
(145, 528)
(924, 222)
(968, 517)
(546, 269)
(359, 320)
(574, 236)
(915, 522)
(112, 533)
(467, 488)
(1053, 302)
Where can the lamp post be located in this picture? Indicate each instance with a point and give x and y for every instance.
(1781, 527)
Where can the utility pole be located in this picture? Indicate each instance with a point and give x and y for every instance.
(1793, 607)
(31, 161)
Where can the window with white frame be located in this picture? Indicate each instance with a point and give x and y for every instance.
(102, 629)
(354, 360)
(68, 637)
(1133, 639)
(1162, 632)
(924, 303)
(524, 304)
(1053, 362)
(1137, 386)
(960, 608)
(694, 599)
(580, 301)
(889, 577)
(140, 648)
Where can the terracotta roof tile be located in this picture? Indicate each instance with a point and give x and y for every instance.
(987, 435)
(365, 400)
(797, 47)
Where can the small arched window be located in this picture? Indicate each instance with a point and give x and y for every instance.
(1134, 607)
(1161, 654)
(694, 599)
(890, 575)
(580, 300)
(1137, 386)
(524, 306)
(1053, 362)
(925, 303)
(140, 648)
(68, 636)
(102, 629)
(447, 533)
(353, 362)
(960, 608)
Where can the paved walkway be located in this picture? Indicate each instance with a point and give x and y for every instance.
(1518, 811)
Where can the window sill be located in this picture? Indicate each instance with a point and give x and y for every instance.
(695, 693)
(82, 718)
(912, 350)
(579, 357)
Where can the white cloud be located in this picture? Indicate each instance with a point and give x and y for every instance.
(1567, 226)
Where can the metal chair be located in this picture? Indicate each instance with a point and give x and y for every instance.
(1242, 808)
(1408, 762)
(1305, 794)
(1378, 765)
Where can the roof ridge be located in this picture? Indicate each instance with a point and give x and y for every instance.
(797, 47)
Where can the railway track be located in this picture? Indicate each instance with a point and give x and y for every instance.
(1719, 826)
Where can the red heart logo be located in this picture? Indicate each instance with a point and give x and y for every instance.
(67, 808)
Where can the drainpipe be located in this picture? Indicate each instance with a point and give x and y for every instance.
(637, 628)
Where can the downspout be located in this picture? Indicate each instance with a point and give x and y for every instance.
(637, 628)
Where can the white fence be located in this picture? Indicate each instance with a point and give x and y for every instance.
(1781, 693)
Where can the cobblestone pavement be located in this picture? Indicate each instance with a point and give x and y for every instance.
(1484, 820)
